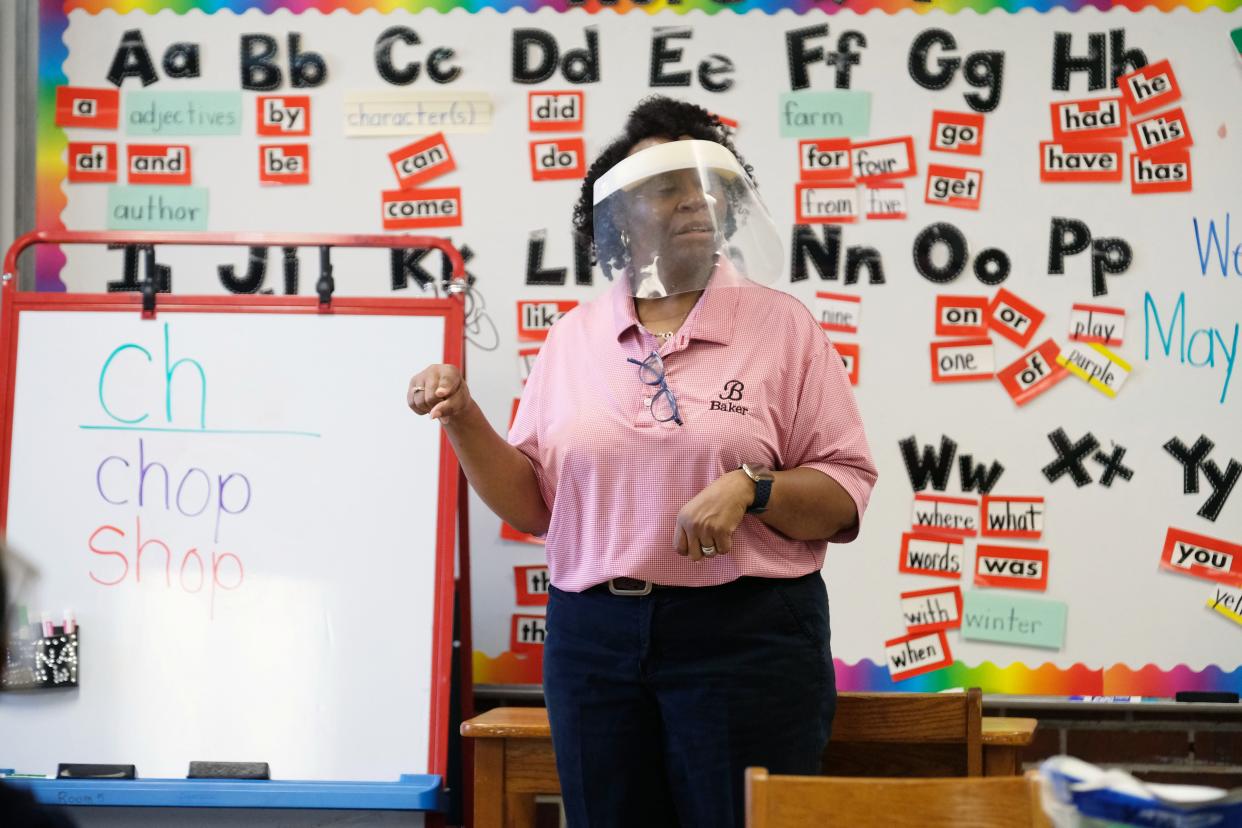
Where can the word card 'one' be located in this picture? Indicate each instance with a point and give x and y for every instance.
(1213, 559)
(926, 610)
(957, 516)
(917, 653)
(1011, 567)
(1033, 373)
(962, 360)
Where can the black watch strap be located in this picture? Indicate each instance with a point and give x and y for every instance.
(763, 490)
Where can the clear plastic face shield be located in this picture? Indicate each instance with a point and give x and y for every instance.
(675, 216)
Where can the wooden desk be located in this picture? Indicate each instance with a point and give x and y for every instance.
(513, 760)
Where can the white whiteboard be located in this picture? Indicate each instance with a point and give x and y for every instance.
(312, 647)
(1104, 542)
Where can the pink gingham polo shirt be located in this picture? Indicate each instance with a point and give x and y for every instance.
(615, 479)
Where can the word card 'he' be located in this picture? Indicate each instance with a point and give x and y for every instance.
(1012, 517)
(1213, 559)
(917, 653)
(931, 553)
(1097, 366)
(957, 516)
(964, 360)
(926, 610)
(960, 132)
(1033, 373)
(1011, 567)
(1149, 88)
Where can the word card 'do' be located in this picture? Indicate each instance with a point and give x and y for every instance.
(1149, 88)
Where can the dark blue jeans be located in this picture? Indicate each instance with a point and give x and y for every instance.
(658, 704)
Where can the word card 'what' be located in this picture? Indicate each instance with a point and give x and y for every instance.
(1014, 318)
(431, 207)
(1097, 323)
(951, 515)
(825, 203)
(838, 311)
(960, 132)
(557, 159)
(1163, 131)
(1088, 119)
(917, 653)
(1213, 559)
(1012, 517)
(927, 610)
(283, 115)
(91, 162)
(931, 553)
(87, 108)
(527, 633)
(965, 360)
(159, 164)
(1081, 161)
(848, 351)
(884, 200)
(1097, 366)
(964, 316)
(954, 187)
(1033, 373)
(531, 583)
(886, 158)
(555, 111)
(828, 159)
(1164, 171)
(536, 317)
(1011, 567)
(422, 160)
(1227, 601)
(284, 163)
(1149, 88)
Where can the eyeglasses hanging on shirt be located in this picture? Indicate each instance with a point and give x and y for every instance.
(663, 406)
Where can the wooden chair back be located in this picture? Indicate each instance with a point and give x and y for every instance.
(906, 734)
(825, 802)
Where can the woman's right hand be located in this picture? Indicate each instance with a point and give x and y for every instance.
(438, 390)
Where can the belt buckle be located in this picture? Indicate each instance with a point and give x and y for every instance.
(622, 586)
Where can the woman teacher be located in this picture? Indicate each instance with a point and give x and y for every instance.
(688, 444)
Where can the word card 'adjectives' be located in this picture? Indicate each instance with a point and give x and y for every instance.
(957, 516)
(886, 158)
(90, 162)
(1032, 622)
(555, 111)
(1227, 600)
(1081, 161)
(159, 164)
(825, 203)
(962, 316)
(526, 361)
(848, 351)
(1189, 553)
(1149, 88)
(283, 115)
(838, 311)
(1011, 567)
(931, 553)
(1097, 366)
(432, 207)
(927, 610)
(79, 106)
(915, 654)
(422, 160)
(1163, 131)
(1091, 118)
(557, 159)
(1033, 373)
(536, 317)
(1012, 517)
(1097, 323)
(527, 633)
(284, 163)
(1013, 318)
(960, 132)
(1164, 171)
(954, 187)
(532, 585)
(827, 159)
(962, 360)
(884, 200)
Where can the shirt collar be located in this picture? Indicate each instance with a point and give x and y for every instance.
(711, 319)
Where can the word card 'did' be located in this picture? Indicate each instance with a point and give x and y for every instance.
(917, 653)
(931, 553)
(560, 111)
(926, 610)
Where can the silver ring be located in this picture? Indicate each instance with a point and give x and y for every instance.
(418, 390)
(708, 551)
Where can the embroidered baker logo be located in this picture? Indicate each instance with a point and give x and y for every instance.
(732, 393)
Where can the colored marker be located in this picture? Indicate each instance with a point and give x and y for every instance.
(69, 625)
(1126, 699)
(48, 629)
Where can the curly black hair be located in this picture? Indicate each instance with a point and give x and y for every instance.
(656, 116)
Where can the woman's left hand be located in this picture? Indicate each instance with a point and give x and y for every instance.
(709, 519)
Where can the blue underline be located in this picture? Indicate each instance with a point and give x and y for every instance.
(201, 430)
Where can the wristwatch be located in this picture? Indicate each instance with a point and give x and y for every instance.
(763, 478)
